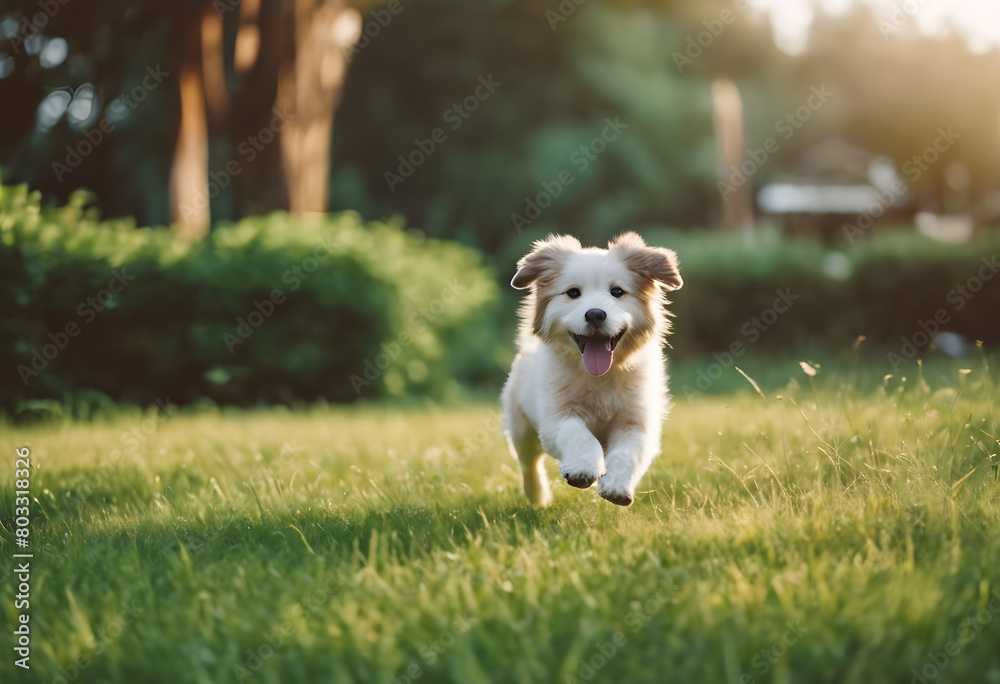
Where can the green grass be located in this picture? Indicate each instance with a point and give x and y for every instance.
(378, 545)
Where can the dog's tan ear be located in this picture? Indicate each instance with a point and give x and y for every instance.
(543, 260)
(654, 263)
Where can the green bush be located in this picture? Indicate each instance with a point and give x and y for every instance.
(246, 316)
(271, 309)
(884, 288)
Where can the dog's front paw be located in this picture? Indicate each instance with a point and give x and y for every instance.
(615, 495)
(619, 498)
(580, 480)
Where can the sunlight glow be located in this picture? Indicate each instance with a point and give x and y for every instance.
(51, 109)
(790, 20)
(977, 20)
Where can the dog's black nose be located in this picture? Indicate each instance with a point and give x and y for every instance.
(595, 316)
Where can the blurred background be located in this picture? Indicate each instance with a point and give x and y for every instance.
(270, 201)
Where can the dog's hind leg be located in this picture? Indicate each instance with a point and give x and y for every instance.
(525, 447)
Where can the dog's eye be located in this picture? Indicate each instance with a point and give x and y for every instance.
(617, 292)
(573, 292)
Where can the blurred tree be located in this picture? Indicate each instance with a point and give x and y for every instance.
(898, 90)
(245, 73)
(281, 71)
(124, 96)
(590, 127)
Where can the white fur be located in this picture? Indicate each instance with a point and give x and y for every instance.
(600, 428)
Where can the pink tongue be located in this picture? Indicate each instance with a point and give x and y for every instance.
(596, 355)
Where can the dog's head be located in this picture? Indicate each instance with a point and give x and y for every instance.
(597, 301)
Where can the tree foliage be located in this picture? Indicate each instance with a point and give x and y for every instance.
(479, 169)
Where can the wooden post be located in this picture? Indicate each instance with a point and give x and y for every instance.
(737, 202)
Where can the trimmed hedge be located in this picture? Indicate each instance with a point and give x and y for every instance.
(271, 309)
(279, 309)
(888, 288)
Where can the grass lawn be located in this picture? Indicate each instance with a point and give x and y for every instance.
(834, 531)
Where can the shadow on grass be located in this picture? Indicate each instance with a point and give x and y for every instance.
(400, 529)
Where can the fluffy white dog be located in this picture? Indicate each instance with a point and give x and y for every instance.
(588, 385)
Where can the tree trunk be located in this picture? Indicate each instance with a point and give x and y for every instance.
(271, 117)
(264, 42)
(189, 200)
(309, 90)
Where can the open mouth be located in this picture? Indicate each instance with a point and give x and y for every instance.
(597, 350)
